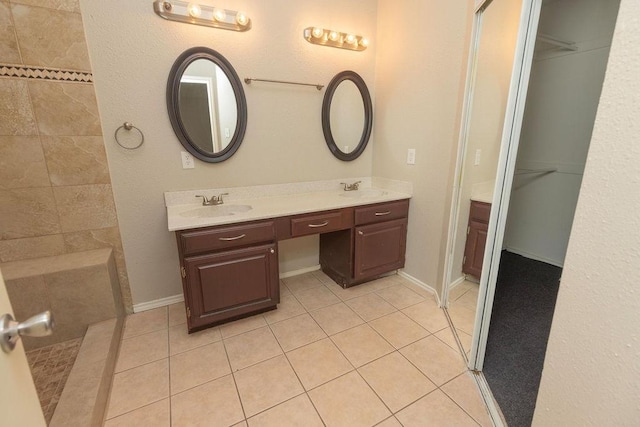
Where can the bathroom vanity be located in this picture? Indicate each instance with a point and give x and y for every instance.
(230, 268)
(476, 237)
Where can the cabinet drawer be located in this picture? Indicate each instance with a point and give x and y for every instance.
(212, 239)
(480, 212)
(315, 224)
(382, 212)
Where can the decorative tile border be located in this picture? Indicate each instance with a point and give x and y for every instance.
(42, 73)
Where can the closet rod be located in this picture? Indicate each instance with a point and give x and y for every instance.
(562, 44)
(541, 171)
(248, 80)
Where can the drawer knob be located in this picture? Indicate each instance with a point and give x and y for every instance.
(383, 213)
(361, 233)
(322, 224)
(228, 239)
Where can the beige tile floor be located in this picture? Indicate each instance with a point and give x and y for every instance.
(380, 354)
(462, 311)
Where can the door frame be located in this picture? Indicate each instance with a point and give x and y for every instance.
(518, 88)
(462, 147)
(504, 178)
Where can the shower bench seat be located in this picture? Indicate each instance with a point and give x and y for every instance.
(79, 288)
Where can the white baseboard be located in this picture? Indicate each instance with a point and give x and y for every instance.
(150, 305)
(457, 282)
(300, 271)
(162, 302)
(534, 256)
(421, 284)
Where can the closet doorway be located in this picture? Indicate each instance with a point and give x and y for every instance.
(569, 63)
(558, 68)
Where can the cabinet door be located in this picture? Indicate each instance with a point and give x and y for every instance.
(379, 248)
(474, 249)
(230, 284)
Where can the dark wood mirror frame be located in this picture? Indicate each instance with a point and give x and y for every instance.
(326, 115)
(173, 89)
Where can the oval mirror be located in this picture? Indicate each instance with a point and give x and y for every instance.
(206, 104)
(347, 115)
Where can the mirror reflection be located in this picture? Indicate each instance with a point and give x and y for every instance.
(494, 56)
(347, 116)
(207, 106)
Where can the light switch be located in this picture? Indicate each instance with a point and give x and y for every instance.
(411, 156)
(477, 160)
(187, 160)
(227, 134)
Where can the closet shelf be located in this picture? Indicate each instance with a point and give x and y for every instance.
(546, 43)
(535, 171)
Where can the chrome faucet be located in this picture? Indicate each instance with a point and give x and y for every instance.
(214, 200)
(351, 187)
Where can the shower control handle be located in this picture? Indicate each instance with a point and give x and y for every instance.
(39, 325)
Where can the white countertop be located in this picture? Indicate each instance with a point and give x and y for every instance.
(484, 197)
(271, 206)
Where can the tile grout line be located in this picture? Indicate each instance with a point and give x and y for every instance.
(455, 401)
(235, 383)
(292, 369)
(105, 419)
(169, 368)
(305, 391)
(330, 337)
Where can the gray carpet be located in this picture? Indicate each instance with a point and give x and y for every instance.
(520, 323)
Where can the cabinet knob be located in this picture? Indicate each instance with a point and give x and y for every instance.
(273, 251)
(360, 233)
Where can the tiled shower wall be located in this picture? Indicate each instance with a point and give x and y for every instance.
(55, 187)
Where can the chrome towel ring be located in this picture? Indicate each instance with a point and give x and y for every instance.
(128, 127)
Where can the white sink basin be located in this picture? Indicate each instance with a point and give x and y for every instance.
(364, 193)
(214, 211)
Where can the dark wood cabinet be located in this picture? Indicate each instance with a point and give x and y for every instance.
(231, 271)
(379, 248)
(375, 246)
(228, 272)
(476, 238)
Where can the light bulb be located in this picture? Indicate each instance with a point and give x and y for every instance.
(350, 39)
(317, 32)
(194, 10)
(241, 18)
(219, 15)
(364, 42)
(334, 35)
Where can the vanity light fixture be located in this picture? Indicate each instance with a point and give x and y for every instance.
(200, 14)
(324, 37)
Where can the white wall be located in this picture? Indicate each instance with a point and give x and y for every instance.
(422, 54)
(592, 366)
(561, 105)
(132, 50)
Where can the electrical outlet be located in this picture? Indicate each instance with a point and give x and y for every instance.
(411, 156)
(187, 160)
(477, 160)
